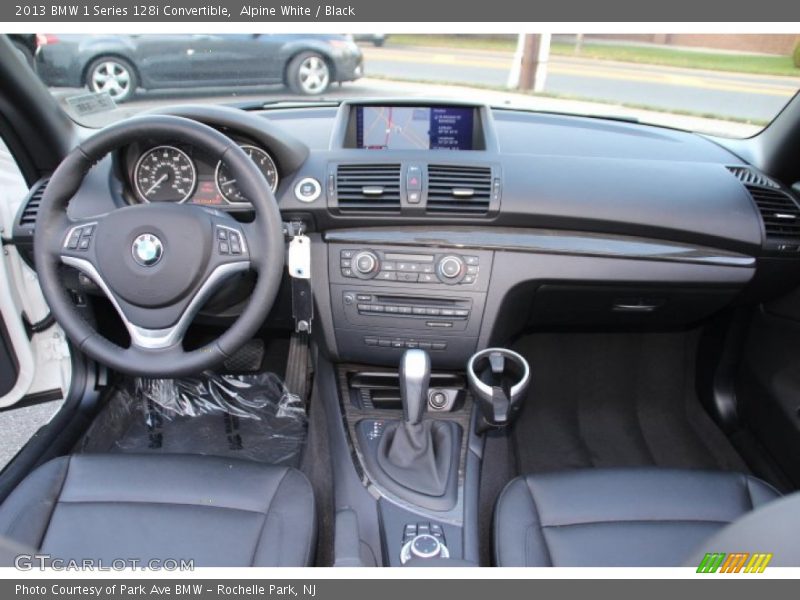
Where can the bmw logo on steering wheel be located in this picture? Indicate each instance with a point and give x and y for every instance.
(147, 249)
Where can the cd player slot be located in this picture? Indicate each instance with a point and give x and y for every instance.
(384, 298)
(378, 305)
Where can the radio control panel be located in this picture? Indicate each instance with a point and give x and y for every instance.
(364, 307)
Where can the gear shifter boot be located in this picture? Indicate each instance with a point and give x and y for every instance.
(420, 456)
(416, 459)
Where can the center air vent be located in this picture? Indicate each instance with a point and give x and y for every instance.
(30, 207)
(459, 189)
(368, 188)
(779, 211)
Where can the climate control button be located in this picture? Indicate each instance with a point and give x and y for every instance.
(451, 269)
(366, 264)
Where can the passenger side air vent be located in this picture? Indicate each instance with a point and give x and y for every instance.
(779, 210)
(368, 188)
(459, 189)
(750, 176)
(30, 207)
(780, 213)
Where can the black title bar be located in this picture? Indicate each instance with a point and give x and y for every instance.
(443, 11)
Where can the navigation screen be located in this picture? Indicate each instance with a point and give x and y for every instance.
(414, 128)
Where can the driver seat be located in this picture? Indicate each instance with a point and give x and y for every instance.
(217, 511)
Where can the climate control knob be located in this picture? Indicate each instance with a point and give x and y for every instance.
(366, 264)
(451, 269)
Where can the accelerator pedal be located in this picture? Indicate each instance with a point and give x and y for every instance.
(298, 371)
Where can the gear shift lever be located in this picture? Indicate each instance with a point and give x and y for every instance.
(420, 456)
(415, 373)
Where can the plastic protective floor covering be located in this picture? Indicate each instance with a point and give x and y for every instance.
(246, 416)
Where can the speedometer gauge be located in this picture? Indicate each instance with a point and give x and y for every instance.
(226, 184)
(165, 174)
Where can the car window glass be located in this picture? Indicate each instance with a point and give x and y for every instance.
(731, 85)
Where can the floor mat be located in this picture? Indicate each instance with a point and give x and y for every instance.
(245, 416)
(616, 400)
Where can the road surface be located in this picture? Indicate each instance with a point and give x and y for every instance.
(734, 95)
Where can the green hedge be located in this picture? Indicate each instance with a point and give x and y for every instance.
(796, 55)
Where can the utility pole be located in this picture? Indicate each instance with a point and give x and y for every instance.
(533, 67)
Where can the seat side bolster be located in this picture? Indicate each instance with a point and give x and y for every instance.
(288, 536)
(518, 537)
(25, 514)
(760, 492)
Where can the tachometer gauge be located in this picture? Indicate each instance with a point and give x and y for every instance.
(227, 184)
(165, 174)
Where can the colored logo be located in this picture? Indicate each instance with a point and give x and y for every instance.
(737, 562)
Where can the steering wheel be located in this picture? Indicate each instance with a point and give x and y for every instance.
(158, 263)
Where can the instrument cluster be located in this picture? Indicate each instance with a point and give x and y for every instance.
(181, 174)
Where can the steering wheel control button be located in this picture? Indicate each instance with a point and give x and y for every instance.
(229, 242)
(307, 190)
(147, 249)
(80, 238)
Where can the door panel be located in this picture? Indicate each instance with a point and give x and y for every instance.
(243, 59)
(9, 366)
(164, 60)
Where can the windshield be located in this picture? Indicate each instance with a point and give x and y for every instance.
(728, 85)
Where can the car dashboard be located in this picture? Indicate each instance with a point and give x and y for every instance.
(453, 226)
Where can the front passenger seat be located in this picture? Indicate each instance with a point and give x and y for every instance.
(215, 511)
(618, 517)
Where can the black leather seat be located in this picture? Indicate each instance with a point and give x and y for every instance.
(630, 517)
(218, 512)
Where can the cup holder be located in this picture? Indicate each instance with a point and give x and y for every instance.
(498, 379)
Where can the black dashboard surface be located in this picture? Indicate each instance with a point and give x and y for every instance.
(569, 217)
(556, 172)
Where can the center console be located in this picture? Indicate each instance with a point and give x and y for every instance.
(419, 457)
(387, 299)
